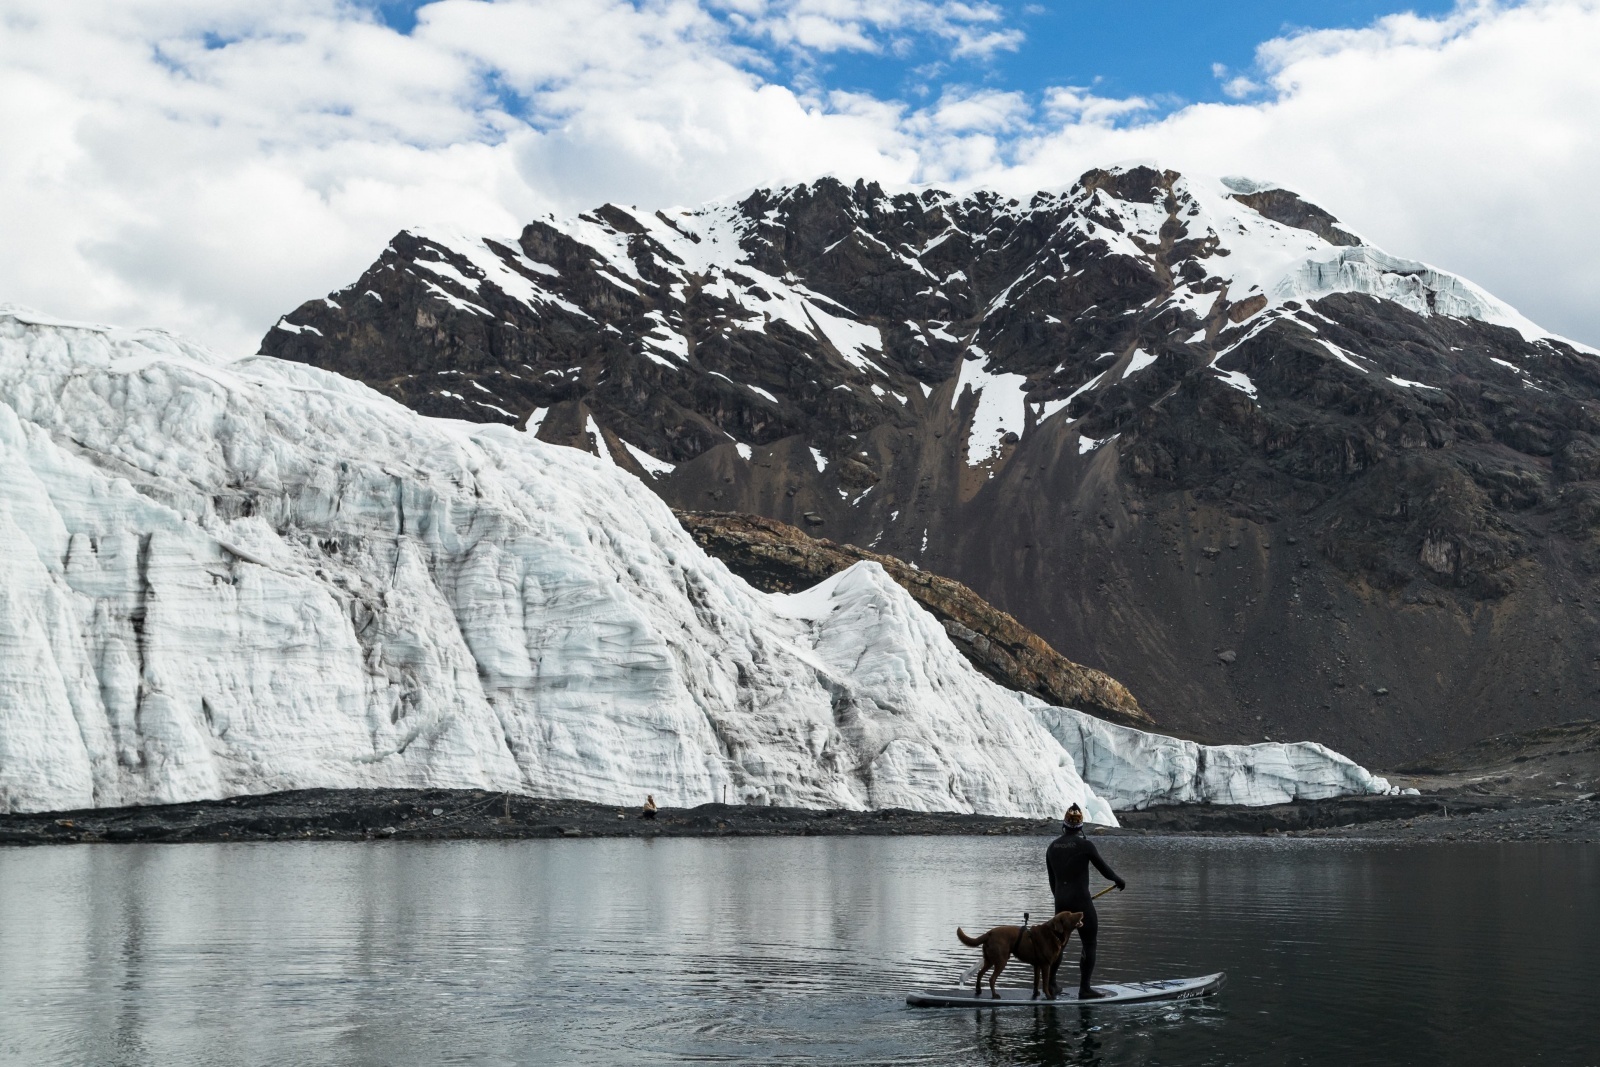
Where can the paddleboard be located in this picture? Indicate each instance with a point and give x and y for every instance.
(1116, 993)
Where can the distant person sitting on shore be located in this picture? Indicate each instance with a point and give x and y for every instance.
(649, 811)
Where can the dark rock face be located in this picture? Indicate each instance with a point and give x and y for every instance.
(778, 558)
(1280, 205)
(1152, 421)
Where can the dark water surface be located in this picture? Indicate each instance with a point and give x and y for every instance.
(796, 950)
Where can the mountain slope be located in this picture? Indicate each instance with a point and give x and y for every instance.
(238, 577)
(778, 558)
(1195, 434)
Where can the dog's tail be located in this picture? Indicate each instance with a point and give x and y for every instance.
(971, 942)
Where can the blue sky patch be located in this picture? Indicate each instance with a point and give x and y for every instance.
(1163, 50)
(1170, 52)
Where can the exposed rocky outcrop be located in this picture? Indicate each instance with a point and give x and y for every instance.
(1281, 205)
(778, 558)
(1154, 419)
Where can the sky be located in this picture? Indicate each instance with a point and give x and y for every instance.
(207, 165)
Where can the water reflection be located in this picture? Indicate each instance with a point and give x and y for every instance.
(1043, 1035)
(766, 951)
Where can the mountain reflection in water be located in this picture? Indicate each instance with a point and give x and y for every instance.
(783, 950)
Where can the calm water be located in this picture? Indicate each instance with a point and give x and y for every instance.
(784, 951)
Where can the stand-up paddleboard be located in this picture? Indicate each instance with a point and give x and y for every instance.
(1116, 993)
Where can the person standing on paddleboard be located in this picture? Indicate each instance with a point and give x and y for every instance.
(1067, 861)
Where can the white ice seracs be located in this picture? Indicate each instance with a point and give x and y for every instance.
(236, 577)
(1409, 283)
(1132, 769)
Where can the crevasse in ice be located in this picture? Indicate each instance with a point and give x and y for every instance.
(223, 577)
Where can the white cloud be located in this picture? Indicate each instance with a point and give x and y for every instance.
(987, 110)
(1078, 106)
(1468, 141)
(972, 30)
(147, 177)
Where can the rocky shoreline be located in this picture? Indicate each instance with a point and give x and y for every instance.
(450, 814)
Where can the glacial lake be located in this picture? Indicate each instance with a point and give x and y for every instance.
(784, 951)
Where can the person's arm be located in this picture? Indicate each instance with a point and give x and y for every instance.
(1050, 867)
(1100, 865)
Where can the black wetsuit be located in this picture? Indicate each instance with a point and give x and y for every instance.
(1067, 860)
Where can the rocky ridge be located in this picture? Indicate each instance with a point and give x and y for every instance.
(778, 558)
(1196, 434)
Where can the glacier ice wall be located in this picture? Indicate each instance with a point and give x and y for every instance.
(1131, 769)
(1413, 285)
(237, 577)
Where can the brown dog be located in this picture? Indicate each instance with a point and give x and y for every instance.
(1039, 946)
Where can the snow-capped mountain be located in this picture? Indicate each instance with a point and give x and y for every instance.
(223, 577)
(1196, 433)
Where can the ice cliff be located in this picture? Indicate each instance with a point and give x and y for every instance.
(222, 577)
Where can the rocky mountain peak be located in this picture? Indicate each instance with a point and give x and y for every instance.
(1154, 416)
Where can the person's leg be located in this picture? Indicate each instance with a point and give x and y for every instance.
(1088, 935)
(1074, 903)
(1056, 964)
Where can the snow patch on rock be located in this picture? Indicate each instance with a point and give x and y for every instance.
(1001, 409)
(1237, 379)
(1138, 362)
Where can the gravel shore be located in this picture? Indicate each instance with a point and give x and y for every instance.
(1568, 819)
(442, 814)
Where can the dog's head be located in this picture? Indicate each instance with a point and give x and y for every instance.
(1065, 922)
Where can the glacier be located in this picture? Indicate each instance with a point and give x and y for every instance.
(231, 576)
